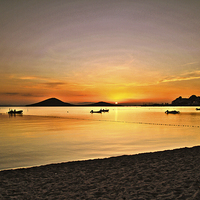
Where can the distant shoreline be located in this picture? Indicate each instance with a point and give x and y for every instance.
(157, 105)
(192, 101)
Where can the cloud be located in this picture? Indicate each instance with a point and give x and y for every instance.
(28, 77)
(191, 63)
(10, 93)
(53, 84)
(183, 77)
(20, 94)
(33, 78)
(39, 81)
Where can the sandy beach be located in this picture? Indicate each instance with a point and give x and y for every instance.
(171, 174)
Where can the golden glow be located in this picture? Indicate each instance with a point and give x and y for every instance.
(108, 57)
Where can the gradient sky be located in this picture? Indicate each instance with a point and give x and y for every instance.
(99, 50)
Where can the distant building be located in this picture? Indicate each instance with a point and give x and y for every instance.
(192, 101)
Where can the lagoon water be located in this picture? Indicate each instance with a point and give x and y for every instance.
(44, 135)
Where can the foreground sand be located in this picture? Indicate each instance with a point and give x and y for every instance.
(171, 174)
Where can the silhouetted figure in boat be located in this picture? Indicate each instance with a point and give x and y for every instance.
(15, 112)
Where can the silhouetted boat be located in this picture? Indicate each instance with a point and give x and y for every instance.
(15, 112)
(99, 111)
(104, 110)
(197, 108)
(172, 112)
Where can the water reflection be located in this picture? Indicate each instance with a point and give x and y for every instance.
(14, 115)
(116, 114)
(57, 137)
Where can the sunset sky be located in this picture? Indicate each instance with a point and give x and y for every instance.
(99, 50)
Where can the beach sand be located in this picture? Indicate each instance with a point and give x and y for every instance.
(172, 174)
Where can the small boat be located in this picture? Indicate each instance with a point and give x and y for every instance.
(104, 110)
(197, 108)
(172, 112)
(92, 111)
(15, 112)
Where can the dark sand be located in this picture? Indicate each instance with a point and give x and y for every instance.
(173, 174)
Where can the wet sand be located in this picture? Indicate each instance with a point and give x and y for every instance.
(172, 174)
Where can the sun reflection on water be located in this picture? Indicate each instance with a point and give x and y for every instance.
(66, 134)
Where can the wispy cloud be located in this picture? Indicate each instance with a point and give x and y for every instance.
(33, 78)
(20, 94)
(10, 93)
(53, 84)
(183, 77)
(191, 63)
(40, 82)
(37, 78)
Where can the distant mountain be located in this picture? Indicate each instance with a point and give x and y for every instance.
(51, 102)
(57, 102)
(101, 103)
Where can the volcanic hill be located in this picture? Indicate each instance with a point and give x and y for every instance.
(51, 102)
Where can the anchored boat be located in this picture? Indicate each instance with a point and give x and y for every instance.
(15, 112)
(104, 110)
(99, 111)
(92, 111)
(172, 112)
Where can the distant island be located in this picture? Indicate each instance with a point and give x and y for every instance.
(57, 102)
(51, 102)
(191, 101)
(101, 103)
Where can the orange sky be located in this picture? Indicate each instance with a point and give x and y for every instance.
(89, 51)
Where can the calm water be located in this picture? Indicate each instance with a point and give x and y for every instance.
(59, 134)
